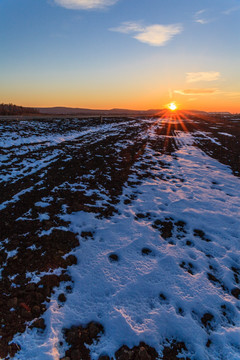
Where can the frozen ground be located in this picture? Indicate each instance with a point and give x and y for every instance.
(135, 221)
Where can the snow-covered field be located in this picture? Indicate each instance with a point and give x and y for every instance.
(136, 222)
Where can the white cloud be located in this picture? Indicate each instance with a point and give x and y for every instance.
(84, 4)
(158, 35)
(154, 35)
(202, 76)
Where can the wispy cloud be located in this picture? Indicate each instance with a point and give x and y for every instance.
(154, 35)
(128, 27)
(192, 99)
(194, 92)
(231, 10)
(202, 21)
(233, 94)
(84, 4)
(207, 91)
(202, 76)
(200, 17)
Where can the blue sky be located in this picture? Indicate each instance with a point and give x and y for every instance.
(125, 53)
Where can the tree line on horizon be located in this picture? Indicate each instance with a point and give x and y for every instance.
(11, 109)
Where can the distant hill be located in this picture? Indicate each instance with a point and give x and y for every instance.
(59, 110)
(11, 109)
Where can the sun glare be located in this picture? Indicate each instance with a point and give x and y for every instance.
(172, 106)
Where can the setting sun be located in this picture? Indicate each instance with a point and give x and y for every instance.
(172, 106)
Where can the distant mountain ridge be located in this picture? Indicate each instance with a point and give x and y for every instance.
(10, 109)
(61, 110)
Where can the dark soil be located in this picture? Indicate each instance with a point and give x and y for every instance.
(41, 244)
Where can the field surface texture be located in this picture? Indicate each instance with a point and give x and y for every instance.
(120, 238)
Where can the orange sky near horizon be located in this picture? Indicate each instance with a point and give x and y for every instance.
(131, 92)
(219, 102)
